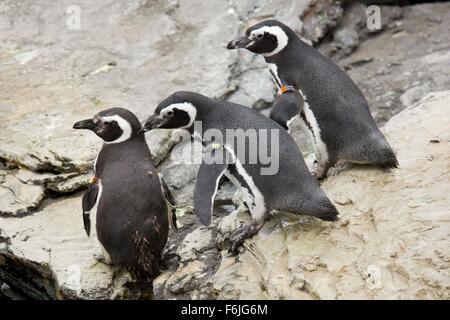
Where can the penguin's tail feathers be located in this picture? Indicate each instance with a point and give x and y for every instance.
(324, 211)
(386, 157)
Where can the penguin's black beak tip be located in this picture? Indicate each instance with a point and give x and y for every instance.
(144, 127)
(85, 124)
(152, 122)
(141, 130)
(239, 42)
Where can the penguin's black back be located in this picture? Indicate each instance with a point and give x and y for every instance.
(338, 105)
(132, 221)
(293, 188)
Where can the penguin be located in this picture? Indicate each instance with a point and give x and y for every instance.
(335, 113)
(132, 200)
(287, 106)
(289, 188)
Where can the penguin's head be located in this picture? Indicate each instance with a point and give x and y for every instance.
(176, 111)
(267, 37)
(113, 125)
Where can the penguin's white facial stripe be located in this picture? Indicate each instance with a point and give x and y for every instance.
(187, 107)
(256, 34)
(250, 44)
(124, 126)
(277, 32)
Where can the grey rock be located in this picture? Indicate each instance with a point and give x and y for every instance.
(160, 143)
(352, 28)
(413, 94)
(150, 45)
(191, 257)
(23, 191)
(346, 39)
(320, 17)
(60, 183)
(16, 197)
(8, 293)
(70, 185)
(47, 255)
(225, 193)
(256, 89)
(194, 243)
(181, 179)
(388, 67)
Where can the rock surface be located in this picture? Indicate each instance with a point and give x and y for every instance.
(53, 75)
(399, 64)
(391, 240)
(18, 198)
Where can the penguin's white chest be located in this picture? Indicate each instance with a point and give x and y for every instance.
(253, 197)
(94, 209)
(289, 122)
(274, 72)
(313, 130)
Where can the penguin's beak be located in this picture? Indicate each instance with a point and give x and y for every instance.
(152, 122)
(85, 124)
(239, 42)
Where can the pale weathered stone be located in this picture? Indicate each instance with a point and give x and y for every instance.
(16, 197)
(48, 254)
(400, 65)
(194, 243)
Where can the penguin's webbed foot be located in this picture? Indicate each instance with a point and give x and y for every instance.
(240, 234)
(321, 171)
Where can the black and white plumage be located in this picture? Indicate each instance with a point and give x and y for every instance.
(286, 108)
(291, 189)
(132, 218)
(335, 114)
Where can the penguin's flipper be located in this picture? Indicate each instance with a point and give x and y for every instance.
(167, 194)
(89, 200)
(171, 203)
(286, 107)
(207, 182)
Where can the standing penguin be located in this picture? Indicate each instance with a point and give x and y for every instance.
(287, 106)
(289, 188)
(132, 212)
(336, 114)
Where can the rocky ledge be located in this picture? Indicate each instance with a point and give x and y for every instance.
(391, 240)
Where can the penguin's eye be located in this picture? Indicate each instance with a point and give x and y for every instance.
(259, 35)
(106, 123)
(170, 113)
